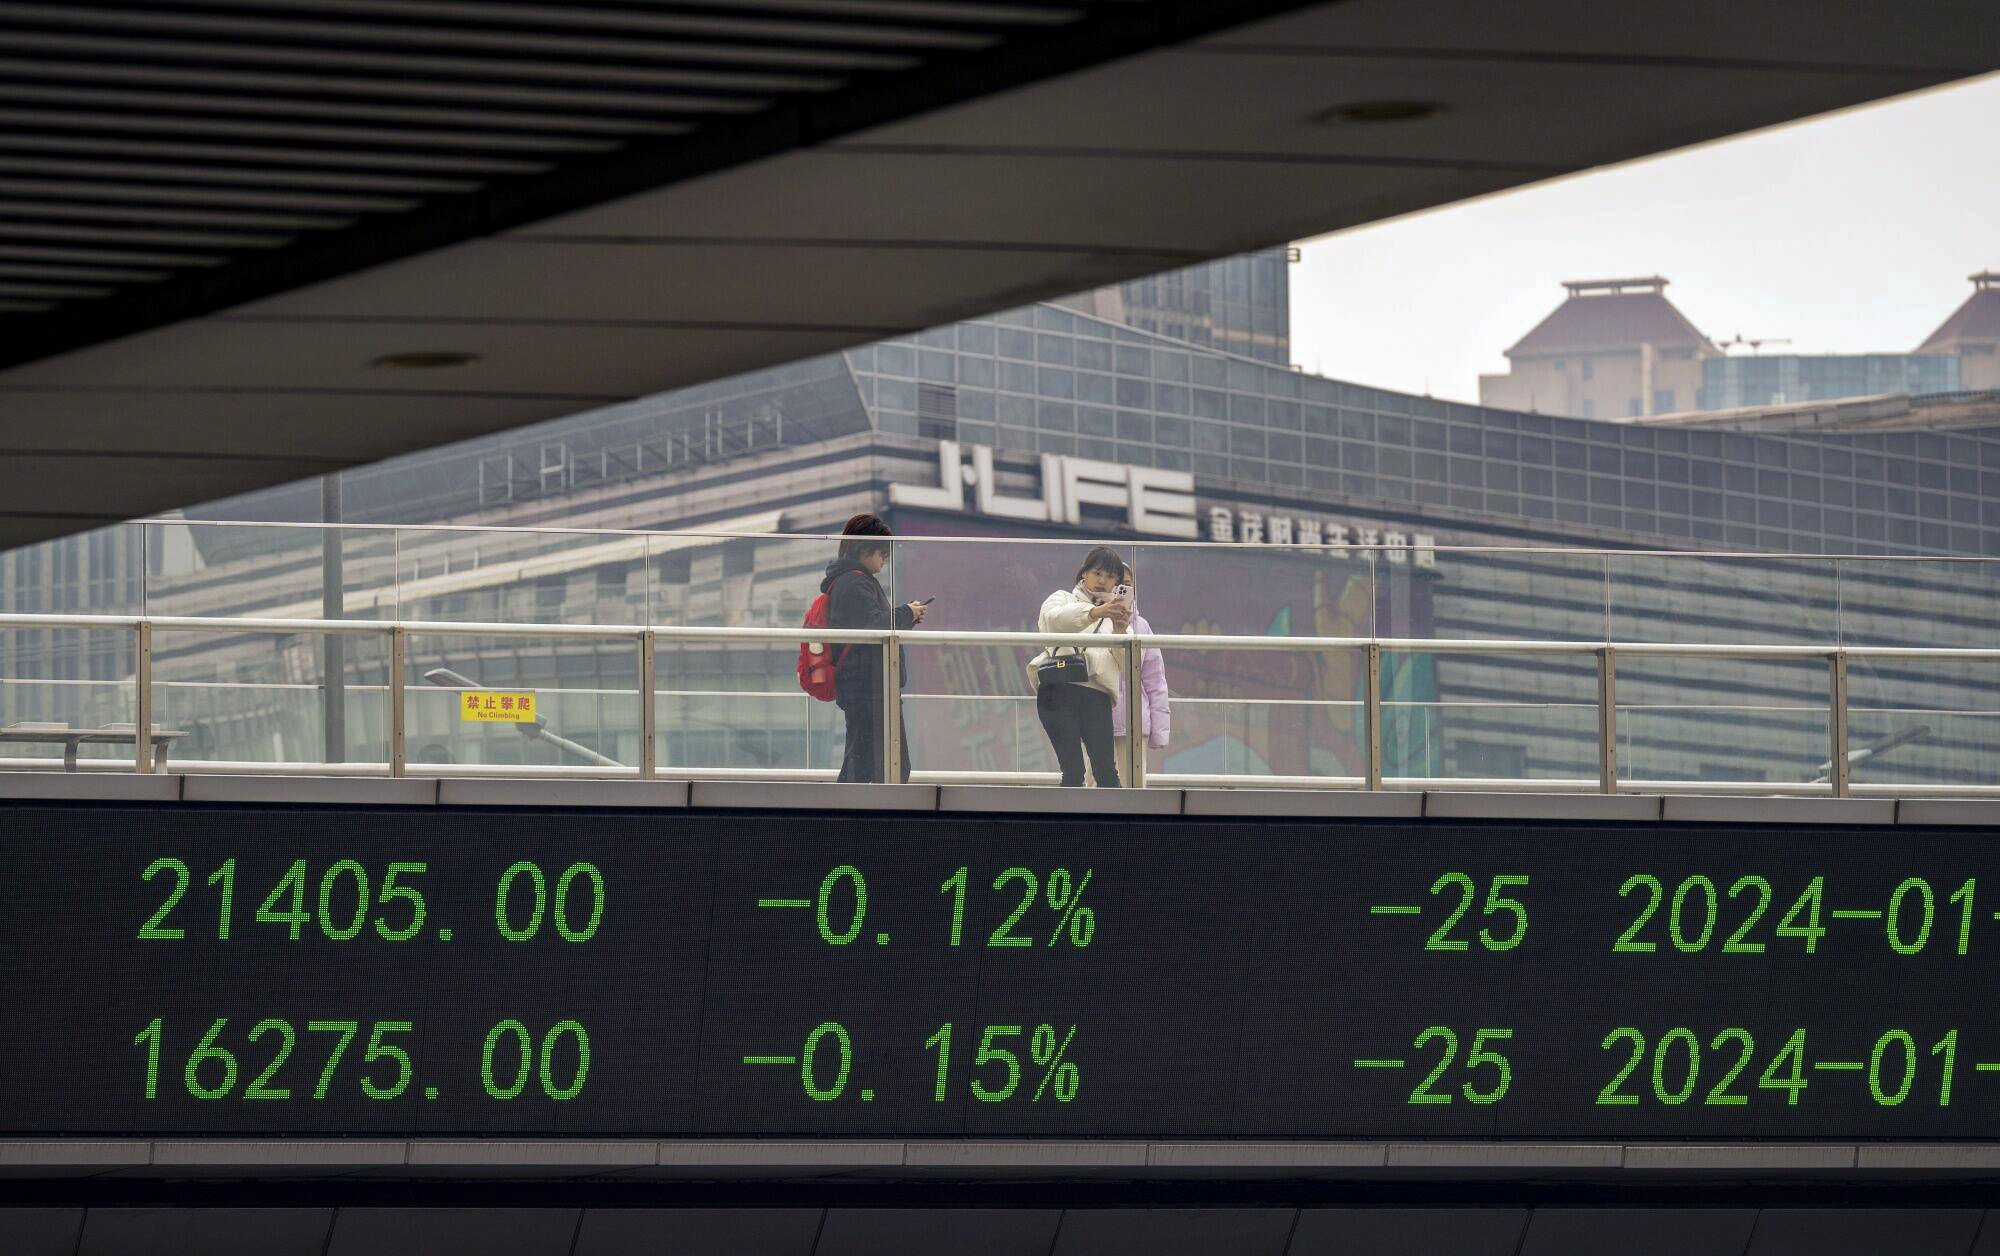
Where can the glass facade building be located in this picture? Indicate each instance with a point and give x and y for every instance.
(1730, 383)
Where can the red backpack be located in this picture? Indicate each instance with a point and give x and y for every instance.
(818, 664)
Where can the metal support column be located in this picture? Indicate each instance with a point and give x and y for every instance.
(649, 714)
(142, 697)
(333, 605)
(1839, 770)
(399, 653)
(1607, 722)
(1371, 716)
(892, 709)
(1134, 767)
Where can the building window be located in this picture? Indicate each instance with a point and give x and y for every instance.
(937, 412)
(1589, 368)
(1589, 408)
(1634, 407)
(1561, 365)
(1663, 401)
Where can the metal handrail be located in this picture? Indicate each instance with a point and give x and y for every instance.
(646, 639)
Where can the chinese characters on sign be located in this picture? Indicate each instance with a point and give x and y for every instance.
(1253, 527)
(497, 708)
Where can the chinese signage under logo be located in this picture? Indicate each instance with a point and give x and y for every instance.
(1154, 502)
(497, 708)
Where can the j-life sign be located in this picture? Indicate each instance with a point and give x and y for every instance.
(1155, 502)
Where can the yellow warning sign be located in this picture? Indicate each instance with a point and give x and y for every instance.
(497, 708)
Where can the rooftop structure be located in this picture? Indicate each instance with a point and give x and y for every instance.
(1973, 333)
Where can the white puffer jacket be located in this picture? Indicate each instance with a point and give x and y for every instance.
(1068, 610)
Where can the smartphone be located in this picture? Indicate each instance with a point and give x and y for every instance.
(926, 601)
(1123, 593)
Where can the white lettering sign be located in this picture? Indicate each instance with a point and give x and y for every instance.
(1154, 502)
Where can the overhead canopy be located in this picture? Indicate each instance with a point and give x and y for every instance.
(248, 241)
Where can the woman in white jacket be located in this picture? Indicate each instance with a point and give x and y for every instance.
(1077, 714)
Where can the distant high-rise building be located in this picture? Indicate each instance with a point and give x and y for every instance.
(1614, 349)
(1972, 334)
(1239, 305)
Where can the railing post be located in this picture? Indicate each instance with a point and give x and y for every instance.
(892, 709)
(649, 715)
(1839, 770)
(1134, 767)
(142, 696)
(399, 653)
(1371, 715)
(1607, 721)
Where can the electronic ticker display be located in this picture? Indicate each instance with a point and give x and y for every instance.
(189, 970)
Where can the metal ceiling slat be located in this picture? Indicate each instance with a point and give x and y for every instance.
(573, 69)
(256, 157)
(24, 307)
(58, 291)
(268, 105)
(33, 231)
(149, 215)
(159, 194)
(104, 274)
(106, 257)
(398, 21)
(379, 83)
(182, 173)
(977, 12)
(155, 124)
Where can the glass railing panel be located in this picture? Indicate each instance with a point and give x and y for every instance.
(584, 694)
(1723, 721)
(1919, 602)
(259, 699)
(727, 706)
(732, 581)
(1694, 599)
(58, 681)
(1923, 721)
(1491, 717)
(267, 570)
(521, 577)
(1520, 595)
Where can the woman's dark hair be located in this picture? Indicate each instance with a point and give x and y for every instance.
(1102, 558)
(864, 525)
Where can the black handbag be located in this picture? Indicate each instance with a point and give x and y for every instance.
(1070, 669)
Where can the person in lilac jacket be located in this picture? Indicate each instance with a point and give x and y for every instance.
(1156, 719)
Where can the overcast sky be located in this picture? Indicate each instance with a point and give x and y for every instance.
(1851, 233)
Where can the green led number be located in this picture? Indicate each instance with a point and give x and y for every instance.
(565, 914)
(1691, 1065)
(1963, 897)
(534, 925)
(1719, 1094)
(1496, 904)
(205, 1051)
(1628, 942)
(1005, 935)
(546, 1069)
(1438, 942)
(1676, 924)
(1791, 1058)
(1907, 1047)
(1808, 905)
(379, 1050)
(393, 893)
(527, 1062)
(150, 1035)
(988, 1053)
(1947, 1047)
(520, 1082)
(352, 929)
(849, 873)
(1477, 1057)
(939, 1041)
(808, 1068)
(258, 1089)
(156, 927)
(346, 1030)
(1899, 942)
(293, 917)
(565, 930)
(954, 885)
(1736, 943)
(225, 876)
